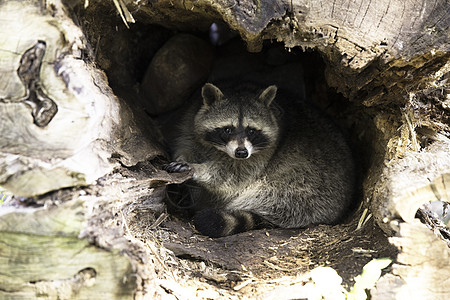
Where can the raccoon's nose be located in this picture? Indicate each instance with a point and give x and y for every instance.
(241, 152)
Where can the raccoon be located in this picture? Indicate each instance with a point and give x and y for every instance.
(260, 164)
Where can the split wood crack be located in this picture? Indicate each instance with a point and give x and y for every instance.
(43, 109)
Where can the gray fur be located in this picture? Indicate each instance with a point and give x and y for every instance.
(304, 176)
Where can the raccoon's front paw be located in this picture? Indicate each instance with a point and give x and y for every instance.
(176, 167)
(210, 222)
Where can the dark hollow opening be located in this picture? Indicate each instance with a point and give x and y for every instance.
(126, 54)
(148, 60)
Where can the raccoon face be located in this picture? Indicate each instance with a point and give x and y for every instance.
(239, 125)
(237, 142)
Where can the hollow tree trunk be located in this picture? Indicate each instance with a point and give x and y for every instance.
(63, 127)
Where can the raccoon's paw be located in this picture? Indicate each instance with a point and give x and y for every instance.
(176, 167)
(210, 222)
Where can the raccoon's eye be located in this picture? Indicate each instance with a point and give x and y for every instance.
(251, 131)
(228, 130)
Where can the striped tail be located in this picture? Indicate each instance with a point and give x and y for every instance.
(216, 223)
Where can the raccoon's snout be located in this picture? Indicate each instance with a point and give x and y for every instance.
(241, 152)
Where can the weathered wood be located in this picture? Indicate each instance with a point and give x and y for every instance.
(41, 255)
(375, 44)
(59, 119)
(423, 263)
(84, 243)
(407, 183)
(389, 58)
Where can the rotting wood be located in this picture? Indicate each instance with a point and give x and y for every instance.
(423, 264)
(366, 41)
(42, 255)
(381, 61)
(83, 243)
(76, 126)
(407, 183)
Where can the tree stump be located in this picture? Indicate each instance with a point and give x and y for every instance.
(80, 160)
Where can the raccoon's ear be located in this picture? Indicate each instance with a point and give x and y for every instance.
(268, 95)
(210, 94)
